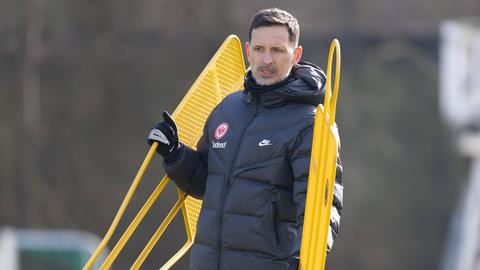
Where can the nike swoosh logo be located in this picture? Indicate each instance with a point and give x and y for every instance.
(264, 143)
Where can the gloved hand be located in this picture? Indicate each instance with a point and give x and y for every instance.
(294, 263)
(165, 133)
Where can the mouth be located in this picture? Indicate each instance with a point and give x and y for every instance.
(266, 72)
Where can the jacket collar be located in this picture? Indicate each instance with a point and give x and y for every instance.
(306, 83)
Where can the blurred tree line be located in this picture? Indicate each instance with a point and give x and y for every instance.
(82, 82)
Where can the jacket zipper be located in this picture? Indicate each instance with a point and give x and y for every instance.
(226, 185)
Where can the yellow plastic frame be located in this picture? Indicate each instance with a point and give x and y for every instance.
(222, 75)
(322, 173)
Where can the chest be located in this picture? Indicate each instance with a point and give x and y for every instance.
(245, 138)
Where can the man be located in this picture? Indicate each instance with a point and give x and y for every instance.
(252, 162)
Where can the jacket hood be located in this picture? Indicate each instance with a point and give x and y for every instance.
(306, 83)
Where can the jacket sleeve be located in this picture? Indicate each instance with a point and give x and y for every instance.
(300, 163)
(189, 170)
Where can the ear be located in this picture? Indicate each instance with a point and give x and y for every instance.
(247, 49)
(297, 54)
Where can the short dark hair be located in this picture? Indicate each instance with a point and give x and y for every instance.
(275, 16)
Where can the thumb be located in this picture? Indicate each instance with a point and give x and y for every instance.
(169, 120)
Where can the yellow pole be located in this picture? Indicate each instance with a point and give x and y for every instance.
(148, 248)
(123, 207)
(134, 224)
(335, 46)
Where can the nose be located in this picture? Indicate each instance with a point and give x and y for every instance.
(267, 58)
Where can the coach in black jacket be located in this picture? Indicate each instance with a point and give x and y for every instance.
(251, 164)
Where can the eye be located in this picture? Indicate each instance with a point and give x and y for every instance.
(258, 49)
(277, 50)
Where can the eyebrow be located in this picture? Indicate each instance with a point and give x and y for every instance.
(273, 47)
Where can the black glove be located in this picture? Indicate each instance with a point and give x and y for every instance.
(165, 133)
(294, 263)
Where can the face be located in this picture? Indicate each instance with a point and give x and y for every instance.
(271, 55)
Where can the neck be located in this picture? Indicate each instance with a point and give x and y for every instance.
(251, 85)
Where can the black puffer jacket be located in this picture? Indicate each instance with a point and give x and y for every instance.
(251, 169)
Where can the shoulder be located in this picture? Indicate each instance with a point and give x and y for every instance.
(302, 112)
(234, 97)
(228, 100)
(230, 103)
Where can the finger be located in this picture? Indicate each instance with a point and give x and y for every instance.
(169, 120)
(157, 135)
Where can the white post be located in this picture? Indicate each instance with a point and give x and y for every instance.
(460, 72)
(460, 108)
(8, 250)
